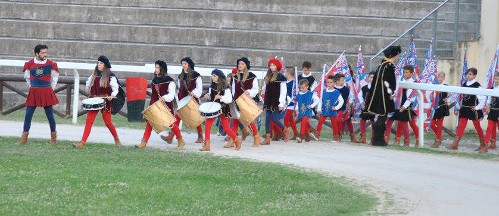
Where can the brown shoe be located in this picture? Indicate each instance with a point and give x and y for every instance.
(24, 138)
(117, 142)
(397, 141)
(229, 144)
(455, 144)
(206, 146)
(336, 138)
(492, 144)
(437, 143)
(406, 142)
(306, 137)
(266, 141)
(417, 143)
(483, 148)
(386, 139)
(200, 138)
(79, 145)
(285, 134)
(313, 136)
(169, 138)
(353, 139)
(141, 145)
(181, 143)
(245, 133)
(363, 138)
(53, 138)
(238, 143)
(256, 141)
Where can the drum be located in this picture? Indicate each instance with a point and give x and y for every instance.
(93, 104)
(188, 110)
(159, 116)
(210, 109)
(249, 110)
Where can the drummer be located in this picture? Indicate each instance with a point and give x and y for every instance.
(189, 84)
(245, 82)
(103, 84)
(219, 93)
(163, 88)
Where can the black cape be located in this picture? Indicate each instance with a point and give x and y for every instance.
(379, 101)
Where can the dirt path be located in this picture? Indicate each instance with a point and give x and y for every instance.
(418, 184)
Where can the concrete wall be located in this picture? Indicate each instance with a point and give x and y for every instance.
(479, 53)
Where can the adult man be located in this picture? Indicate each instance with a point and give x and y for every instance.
(41, 74)
(381, 101)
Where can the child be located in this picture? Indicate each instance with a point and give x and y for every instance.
(189, 84)
(440, 112)
(102, 83)
(493, 111)
(346, 94)
(275, 98)
(163, 88)
(289, 120)
(471, 109)
(364, 116)
(245, 82)
(219, 92)
(405, 113)
(306, 68)
(307, 100)
(329, 104)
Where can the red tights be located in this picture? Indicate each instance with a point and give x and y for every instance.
(106, 116)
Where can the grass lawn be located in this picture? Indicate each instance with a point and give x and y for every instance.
(38, 179)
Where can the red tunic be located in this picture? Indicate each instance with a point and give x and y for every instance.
(243, 86)
(41, 93)
(97, 91)
(161, 84)
(190, 84)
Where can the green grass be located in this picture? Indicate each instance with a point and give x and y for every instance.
(39, 179)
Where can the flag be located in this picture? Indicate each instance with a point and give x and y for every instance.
(360, 76)
(489, 79)
(428, 76)
(330, 72)
(412, 59)
(459, 97)
(296, 87)
(399, 69)
(494, 65)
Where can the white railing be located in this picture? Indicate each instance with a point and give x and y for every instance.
(147, 68)
(441, 88)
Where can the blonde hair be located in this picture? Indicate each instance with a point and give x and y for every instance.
(271, 76)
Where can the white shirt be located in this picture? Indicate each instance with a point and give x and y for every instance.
(53, 74)
(481, 99)
(337, 107)
(226, 98)
(253, 91)
(198, 90)
(113, 82)
(171, 92)
(409, 100)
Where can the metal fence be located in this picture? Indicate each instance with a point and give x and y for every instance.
(451, 22)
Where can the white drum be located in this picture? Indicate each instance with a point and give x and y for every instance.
(93, 104)
(210, 109)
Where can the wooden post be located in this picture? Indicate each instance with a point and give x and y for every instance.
(68, 100)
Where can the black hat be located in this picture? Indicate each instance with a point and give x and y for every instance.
(245, 60)
(189, 61)
(392, 51)
(219, 73)
(104, 60)
(162, 64)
